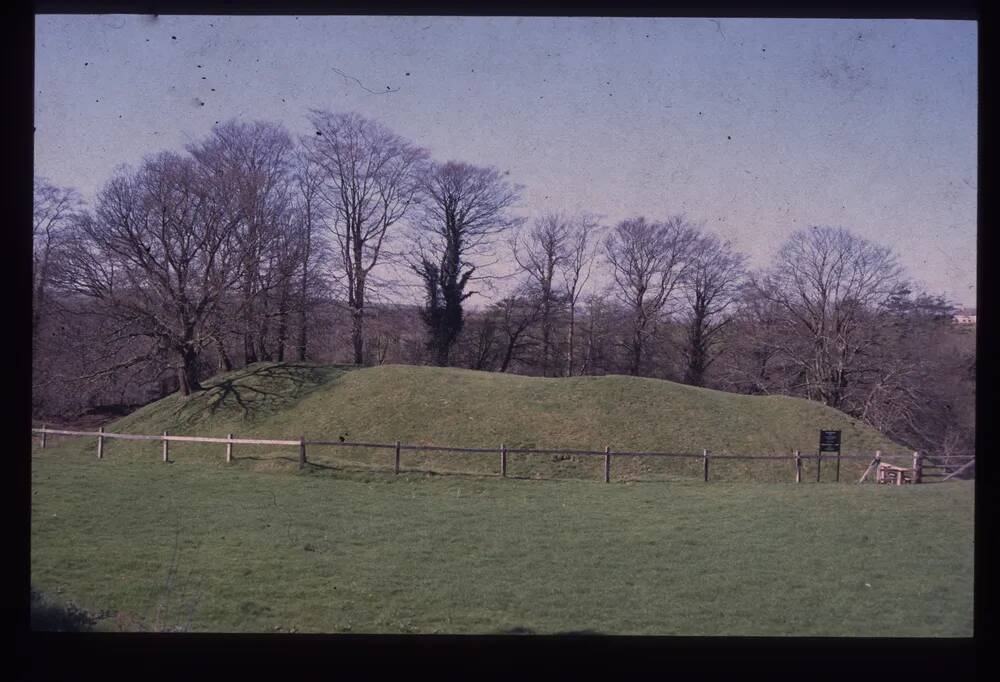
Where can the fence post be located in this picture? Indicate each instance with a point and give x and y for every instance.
(798, 467)
(878, 464)
(302, 452)
(395, 467)
(166, 447)
(100, 443)
(918, 468)
(229, 448)
(837, 478)
(43, 436)
(607, 464)
(704, 456)
(503, 460)
(819, 462)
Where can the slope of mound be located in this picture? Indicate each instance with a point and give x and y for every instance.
(455, 407)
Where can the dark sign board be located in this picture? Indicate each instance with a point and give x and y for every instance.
(829, 441)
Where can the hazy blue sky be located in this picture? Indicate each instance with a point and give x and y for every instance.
(755, 127)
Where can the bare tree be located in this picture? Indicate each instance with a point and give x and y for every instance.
(484, 340)
(308, 180)
(710, 289)
(541, 253)
(834, 289)
(751, 362)
(53, 209)
(515, 315)
(284, 265)
(648, 261)
(581, 249)
(463, 209)
(252, 161)
(369, 179)
(917, 380)
(158, 255)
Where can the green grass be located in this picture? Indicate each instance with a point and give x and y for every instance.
(201, 546)
(454, 407)
(256, 546)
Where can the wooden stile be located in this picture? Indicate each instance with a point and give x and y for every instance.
(873, 465)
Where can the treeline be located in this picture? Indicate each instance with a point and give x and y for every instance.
(251, 245)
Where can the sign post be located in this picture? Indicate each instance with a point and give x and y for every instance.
(829, 441)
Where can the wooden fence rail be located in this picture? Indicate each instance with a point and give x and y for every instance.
(302, 443)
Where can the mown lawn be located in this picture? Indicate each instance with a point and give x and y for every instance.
(200, 546)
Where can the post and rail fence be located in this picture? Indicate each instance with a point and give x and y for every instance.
(920, 462)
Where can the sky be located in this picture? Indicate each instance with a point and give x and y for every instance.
(752, 127)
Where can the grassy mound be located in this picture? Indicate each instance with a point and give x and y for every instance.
(455, 407)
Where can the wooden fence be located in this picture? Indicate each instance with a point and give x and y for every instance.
(918, 464)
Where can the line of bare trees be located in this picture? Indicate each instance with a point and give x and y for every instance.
(251, 245)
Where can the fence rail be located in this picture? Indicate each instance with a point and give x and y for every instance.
(301, 443)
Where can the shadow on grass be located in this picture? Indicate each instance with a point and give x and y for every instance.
(260, 389)
(47, 616)
(521, 630)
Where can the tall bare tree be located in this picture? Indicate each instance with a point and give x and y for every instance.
(648, 260)
(834, 289)
(752, 362)
(310, 213)
(53, 209)
(482, 337)
(710, 289)
(541, 252)
(158, 254)
(581, 249)
(515, 315)
(253, 161)
(463, 209)
(369, 179)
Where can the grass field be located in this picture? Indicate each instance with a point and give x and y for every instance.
(256, 546)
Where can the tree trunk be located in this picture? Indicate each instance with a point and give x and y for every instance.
(358, 334)
(508, 354)
(697, 351)
(303, 317)
(572, 330)
(39, 303)
(546, 331)
(282, 328)
(441, 353)
(265, 330)
(589, 353)
(225, 363)
(249, 352)
(636, 360)
(187, 373)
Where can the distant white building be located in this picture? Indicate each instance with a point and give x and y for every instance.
(965, 316)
